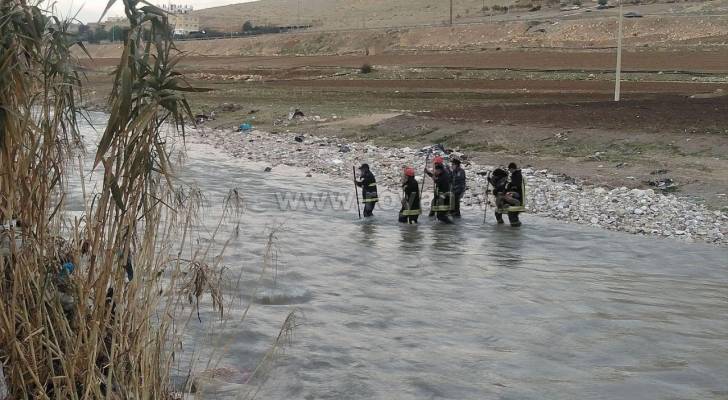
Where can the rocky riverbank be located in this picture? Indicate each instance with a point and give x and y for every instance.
(621, 209)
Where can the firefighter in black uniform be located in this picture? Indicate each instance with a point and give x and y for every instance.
(438, 160)
(443, 195)
(368, 185)
(508, 193)
(410, 211)
(458, 187)
(515, 195)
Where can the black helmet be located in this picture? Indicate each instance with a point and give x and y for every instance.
(512, 166)
(364, 166)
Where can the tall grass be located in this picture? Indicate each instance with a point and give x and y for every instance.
(103, 330)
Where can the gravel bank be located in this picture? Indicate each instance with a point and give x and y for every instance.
(635, 211)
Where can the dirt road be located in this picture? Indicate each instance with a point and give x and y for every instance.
(715, 61)
(524, 86)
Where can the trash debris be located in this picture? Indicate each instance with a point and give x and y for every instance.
(299, 139)
(229, 107)
(596, 156)
(295, 114)
(561, 136)
(245, 127)
(344, 148)
(67, 268)
(664, 184)
(268, 169)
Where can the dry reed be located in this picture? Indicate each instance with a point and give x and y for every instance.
(101, 330)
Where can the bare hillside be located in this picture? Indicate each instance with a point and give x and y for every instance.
(357, 14)
(339, 14)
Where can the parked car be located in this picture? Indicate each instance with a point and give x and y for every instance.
(632, 14)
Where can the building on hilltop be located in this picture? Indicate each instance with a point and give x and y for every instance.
(177, 9)
(181, 19)
(111, 22)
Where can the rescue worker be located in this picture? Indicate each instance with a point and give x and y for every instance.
(443, 196)
(458, 187)
(515, 195)
(438, 160)
(508, 194)
(410, 211)
(499, 180)
(368, 185)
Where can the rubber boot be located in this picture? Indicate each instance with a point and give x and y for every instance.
(442, 217)
(499, 217)
(513, 219)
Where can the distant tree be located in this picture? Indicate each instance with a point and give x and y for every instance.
(248, 26)
(117, 33)
(100, 34)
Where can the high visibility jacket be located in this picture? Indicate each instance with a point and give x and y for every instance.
(368, 186)
(441, 202)
(411, 200)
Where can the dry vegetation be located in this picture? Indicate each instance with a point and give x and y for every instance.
(87, 304)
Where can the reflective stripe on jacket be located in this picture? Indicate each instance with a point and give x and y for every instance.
(368, 187)
(411, 200)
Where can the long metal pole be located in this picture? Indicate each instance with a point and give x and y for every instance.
(424, 174)
(487, 186)
(618, 74)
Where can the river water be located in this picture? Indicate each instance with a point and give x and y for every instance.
(465, 311)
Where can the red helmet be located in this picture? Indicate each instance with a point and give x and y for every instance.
(438, 160)
(409, 171)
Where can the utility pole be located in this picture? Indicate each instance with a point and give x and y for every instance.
(618, 72)
(450, 12)
(299, 14)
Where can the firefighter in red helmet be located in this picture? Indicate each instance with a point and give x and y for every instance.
(410, 211)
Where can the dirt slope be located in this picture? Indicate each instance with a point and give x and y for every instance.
(341, 14)
(656, 31)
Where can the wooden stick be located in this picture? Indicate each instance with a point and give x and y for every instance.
(487, 185)
(356, 191)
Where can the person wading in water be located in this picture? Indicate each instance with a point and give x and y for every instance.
(410, 211)
(368, 185)
(443, 196)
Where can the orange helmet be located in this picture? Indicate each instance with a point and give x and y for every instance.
(438, 160)
(409, 171)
